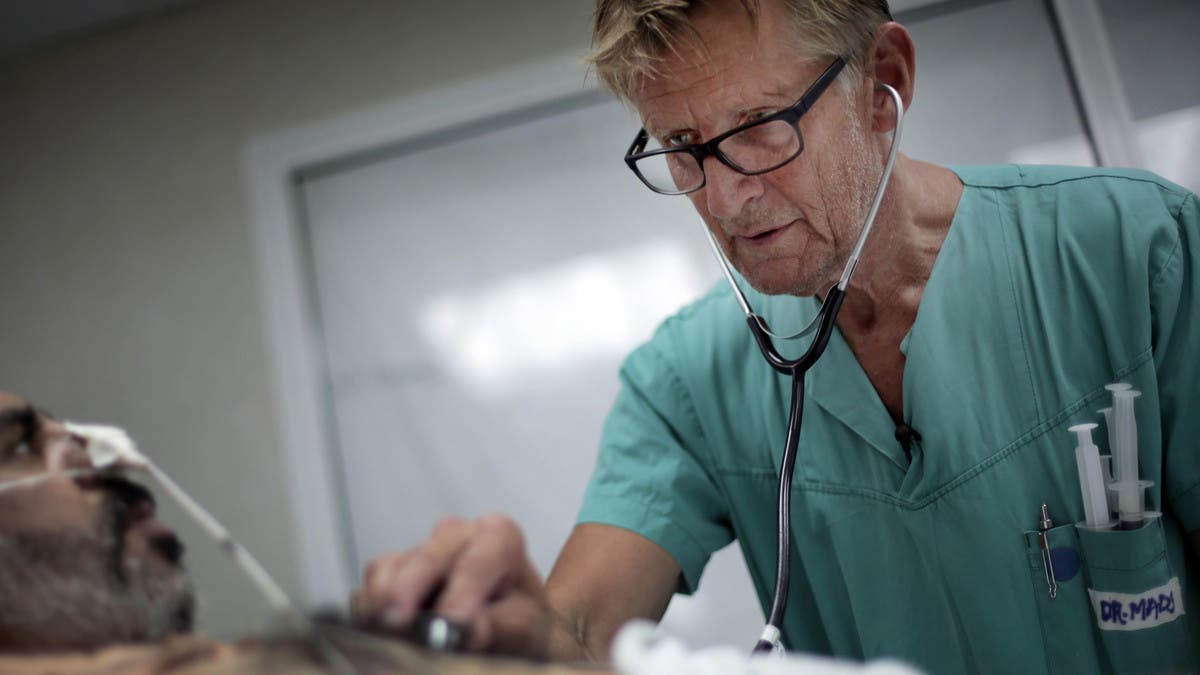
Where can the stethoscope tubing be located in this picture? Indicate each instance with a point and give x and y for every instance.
(824, 322)
(796, 368)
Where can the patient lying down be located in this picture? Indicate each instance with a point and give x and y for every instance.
(83, 561)
(91, 581)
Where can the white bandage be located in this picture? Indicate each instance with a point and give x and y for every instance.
(108, 446)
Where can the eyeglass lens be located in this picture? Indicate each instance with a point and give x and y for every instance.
(755, 149)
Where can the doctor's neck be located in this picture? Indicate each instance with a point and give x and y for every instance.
(898, 258)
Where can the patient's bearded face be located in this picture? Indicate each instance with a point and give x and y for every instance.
(83, 561)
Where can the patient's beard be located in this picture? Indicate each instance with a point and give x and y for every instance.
(63, 591)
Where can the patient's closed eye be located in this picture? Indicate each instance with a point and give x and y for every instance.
(17, 430)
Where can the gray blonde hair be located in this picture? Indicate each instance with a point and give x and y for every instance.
(630, 37)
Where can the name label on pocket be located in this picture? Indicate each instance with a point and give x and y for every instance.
(1138, 611)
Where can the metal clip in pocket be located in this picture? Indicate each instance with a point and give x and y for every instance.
(1069, 639)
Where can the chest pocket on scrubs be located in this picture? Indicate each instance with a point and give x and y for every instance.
(1118, 609)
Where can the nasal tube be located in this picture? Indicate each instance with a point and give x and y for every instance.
(110, 447)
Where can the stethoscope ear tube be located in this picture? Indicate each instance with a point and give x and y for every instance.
(886, 176)
(771, 639)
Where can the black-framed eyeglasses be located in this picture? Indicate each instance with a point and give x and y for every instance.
(751, 149)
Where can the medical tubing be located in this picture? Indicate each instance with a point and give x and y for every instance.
(30, 481)
(328, 653)
(111, 451)
(259, 577)
(884, 178)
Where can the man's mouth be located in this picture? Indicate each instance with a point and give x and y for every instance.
(764, 237)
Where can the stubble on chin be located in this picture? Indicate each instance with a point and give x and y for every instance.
(76, 591)
(811, 266)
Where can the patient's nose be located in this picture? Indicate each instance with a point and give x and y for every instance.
(65, 451)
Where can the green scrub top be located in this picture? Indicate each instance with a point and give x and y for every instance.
(1052, 282)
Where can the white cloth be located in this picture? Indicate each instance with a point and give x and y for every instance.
(641, 649)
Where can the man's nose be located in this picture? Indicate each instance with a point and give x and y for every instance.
(66, 451)
(726, 191)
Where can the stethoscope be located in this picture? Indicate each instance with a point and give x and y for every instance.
(770, 639)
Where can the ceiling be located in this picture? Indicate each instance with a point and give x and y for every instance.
(26, 24)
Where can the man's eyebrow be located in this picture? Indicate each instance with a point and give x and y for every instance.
(784, 99)
(779, 99)
(657, 132)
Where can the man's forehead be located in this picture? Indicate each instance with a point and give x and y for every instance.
(15, 409)
(9, 401)
(717, 91)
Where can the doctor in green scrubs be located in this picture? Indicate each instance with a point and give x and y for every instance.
(991, 307)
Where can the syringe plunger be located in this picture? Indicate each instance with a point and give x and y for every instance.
(1130, 499)
(1125, 455)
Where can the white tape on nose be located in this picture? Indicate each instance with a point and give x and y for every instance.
(108, 446)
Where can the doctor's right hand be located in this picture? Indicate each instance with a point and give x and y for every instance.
(474, 572)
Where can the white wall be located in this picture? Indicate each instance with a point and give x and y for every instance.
(127, 286)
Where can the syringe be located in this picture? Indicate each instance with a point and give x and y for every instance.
(1130, 492)
(1106, 461)
(1091, 480)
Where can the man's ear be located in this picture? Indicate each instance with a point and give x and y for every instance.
(891, 60)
